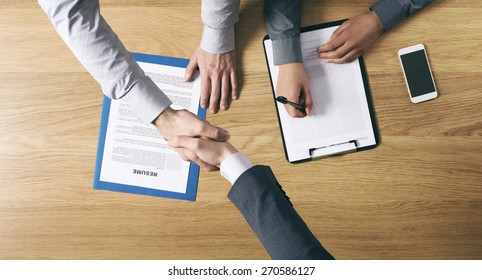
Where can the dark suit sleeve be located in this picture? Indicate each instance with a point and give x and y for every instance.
(263, 203)
(392, 12)
(283, 21)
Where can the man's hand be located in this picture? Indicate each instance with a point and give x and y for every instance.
(352, 38)
(294, 85)
(172, 123)
(218, 78)
(210, 151)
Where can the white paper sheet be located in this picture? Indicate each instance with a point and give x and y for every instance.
(340, 110)
(135, 153)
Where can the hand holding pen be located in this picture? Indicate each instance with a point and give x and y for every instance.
(294, 85)
(284, 100)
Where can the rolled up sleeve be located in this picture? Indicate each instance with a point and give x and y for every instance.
(219, 17)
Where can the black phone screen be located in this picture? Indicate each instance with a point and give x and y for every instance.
(417, 71)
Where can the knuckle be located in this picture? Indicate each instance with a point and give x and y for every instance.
(183, 156)
(204, 96)
(197, 146)
(217, 134)
(344, 60)
(193, 157)
(225, 87)
(175, 141)
(337, 54)
(209, 168)
(214, 94)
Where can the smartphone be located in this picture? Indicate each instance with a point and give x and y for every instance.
(417, 72)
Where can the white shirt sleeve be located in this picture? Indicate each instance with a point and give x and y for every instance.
(233, 166)
(100, 51)
(219, 17)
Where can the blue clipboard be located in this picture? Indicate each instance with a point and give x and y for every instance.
(191, 189)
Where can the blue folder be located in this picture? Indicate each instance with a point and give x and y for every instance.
(191, 189)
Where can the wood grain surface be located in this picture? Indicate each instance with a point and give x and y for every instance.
(416, 196)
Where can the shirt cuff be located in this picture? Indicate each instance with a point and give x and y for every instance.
(217, 40)
(146, 100)
(234, 165)
(287, 50)
(390, 12)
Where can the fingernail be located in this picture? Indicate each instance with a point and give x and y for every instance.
(224, 107)
(235, 97)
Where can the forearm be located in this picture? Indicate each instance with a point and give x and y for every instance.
(219, 17)
(100, 51)
(283, 20)
(267, 210)
(391, 12)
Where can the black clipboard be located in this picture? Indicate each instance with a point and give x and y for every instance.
(337, 147)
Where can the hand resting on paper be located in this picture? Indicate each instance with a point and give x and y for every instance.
(352, 38)
(218, 78)
(172, 123)
(294, 85)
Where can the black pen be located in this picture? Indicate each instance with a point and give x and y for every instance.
(282, 99)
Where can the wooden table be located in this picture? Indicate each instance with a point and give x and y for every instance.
(416, 196)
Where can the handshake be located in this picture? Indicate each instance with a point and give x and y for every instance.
(194, 139)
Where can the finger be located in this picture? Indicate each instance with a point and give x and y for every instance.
(331, 45)
(340, 29)
(213, 132)
(186, 147)
(201, 128)
(208, 167)
(190, 69)
(293, 112)
(205, 87)
(234, 84)
(181, 142)
(224, 92)
(338, 53)
(194, 158)
(306, 90)
(182, 154)
(349, 57)
(215, 93)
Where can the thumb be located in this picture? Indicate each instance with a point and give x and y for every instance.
(175, 142)
(308, 101)
(182, 142)
(190, 69)
(213, 132)
(293, 112)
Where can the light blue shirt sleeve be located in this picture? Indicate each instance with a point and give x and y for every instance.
(219, 17)
(81, 26)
